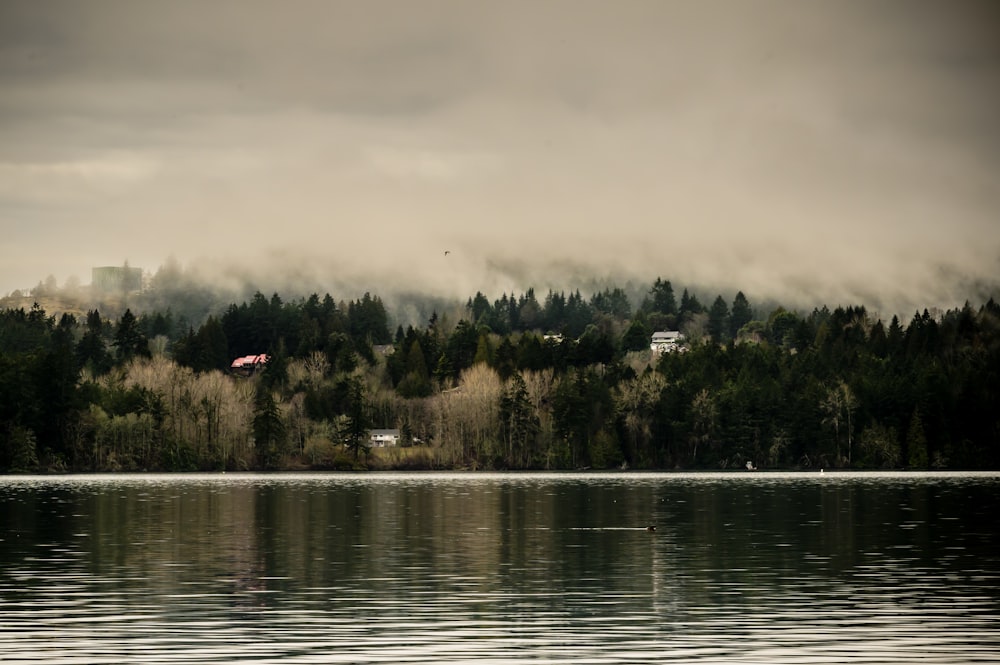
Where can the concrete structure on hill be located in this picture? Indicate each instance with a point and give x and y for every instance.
(116, 279)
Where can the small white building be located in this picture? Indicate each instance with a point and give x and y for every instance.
(383, 438)
(666, 341)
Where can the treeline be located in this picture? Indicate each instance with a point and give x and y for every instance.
(520, 382)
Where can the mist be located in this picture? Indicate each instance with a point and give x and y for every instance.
(806, 154)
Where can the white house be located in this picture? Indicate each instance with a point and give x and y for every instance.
(666, 341)
(383, 438)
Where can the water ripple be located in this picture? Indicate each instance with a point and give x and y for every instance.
(314, 570)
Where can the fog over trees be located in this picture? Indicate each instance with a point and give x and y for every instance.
(529, 380)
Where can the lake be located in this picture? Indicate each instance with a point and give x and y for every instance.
(750, 567)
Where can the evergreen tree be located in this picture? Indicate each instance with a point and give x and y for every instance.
(444, 370)
(368, 320)
(479, 309)
(268, 429)
(205, 350)
(613, 302)
(462, 346)
(18, 405)
(740, 315)
(416, 382)
(637, 336)
(781, 327)
(56, 376)
(22, 453)
(877, 340)
(916, 443)
(356, 424)
(554, 312)
(531, 353)
(894, 336)
(275, 374)
(579, 314)
(505, 359)
(129, 340)
(663, 301)
(91, 350)
(690, 304)
(484, 350)
(340, 353)
(718, 320)
(529, 312)
(519, 425)
(258, 319)
(594, 347)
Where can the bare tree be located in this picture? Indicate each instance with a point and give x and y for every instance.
(704, 416)
(838, 407)
(467, 416)
(636, 401)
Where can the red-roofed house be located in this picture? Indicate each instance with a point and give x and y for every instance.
(248, 365)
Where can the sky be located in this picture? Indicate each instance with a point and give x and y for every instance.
(809, 152)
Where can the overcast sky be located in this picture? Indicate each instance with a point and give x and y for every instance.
(818, 152)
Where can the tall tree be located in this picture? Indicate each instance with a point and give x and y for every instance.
(416, 382)
(484, 350)
(505, 359)
(268, 429)
(613, 302)
(838, 407)
(356, 423)
(519, 423)
(461, 347)
(205, 350)
(56, 378)
(529, 312)
(740, 315)
(704, 420)
(662, 294)
(479, 308)
(637, 335)
(91, 350)
(690, 304)
(129, 340)
(718, 320)
(368, 320)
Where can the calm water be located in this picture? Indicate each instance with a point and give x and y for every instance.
(742, 568)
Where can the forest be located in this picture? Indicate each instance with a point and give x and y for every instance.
(560, 381)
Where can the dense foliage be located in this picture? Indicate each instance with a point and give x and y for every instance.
(561, 382)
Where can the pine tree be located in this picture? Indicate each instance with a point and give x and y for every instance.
(484, 350)
(91, 351)
(637, 336)
(416, 382)
(690, 304)
(519, 423)
(268, 429)
(718, 320)
(354, 428)
(740, 315)
(663, 298)
(129, 340)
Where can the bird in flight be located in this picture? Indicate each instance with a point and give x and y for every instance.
(447, 252)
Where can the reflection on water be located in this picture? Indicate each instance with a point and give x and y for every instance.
(753, 567)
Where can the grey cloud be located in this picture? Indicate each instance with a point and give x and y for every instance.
(336, 57)
(805, 151)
